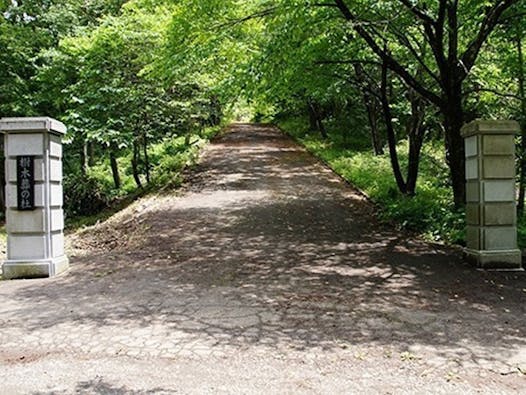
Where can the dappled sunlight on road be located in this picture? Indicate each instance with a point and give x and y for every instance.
(268, 251)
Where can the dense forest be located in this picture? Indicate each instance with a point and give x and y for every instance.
(378, 89)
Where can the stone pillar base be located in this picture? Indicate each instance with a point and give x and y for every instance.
(14, 269)
(504, 260)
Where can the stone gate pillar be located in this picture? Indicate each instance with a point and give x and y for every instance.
(35, 220)
(491, 234)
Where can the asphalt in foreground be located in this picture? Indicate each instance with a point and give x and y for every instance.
(268, 274)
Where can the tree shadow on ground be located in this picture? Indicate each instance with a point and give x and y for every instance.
(301, 264)
(100, 387)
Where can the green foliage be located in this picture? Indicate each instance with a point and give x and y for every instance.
(100, 66)
(141, 81)
(171, 157)
(16, 67)
(90, 193)
(84, 195)
(521, 227)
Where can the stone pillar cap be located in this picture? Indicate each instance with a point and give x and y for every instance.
(490, 127)
(32, 124)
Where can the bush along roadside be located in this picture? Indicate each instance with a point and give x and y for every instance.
(430, 212)
(92, 196)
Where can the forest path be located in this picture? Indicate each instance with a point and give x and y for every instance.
(265, 274)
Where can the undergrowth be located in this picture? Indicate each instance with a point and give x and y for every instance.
(93, 197)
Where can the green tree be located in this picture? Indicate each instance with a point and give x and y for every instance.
(454, 53)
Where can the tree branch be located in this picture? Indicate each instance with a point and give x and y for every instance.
(349, 61)
(419, 13)
(452, 18)
(323, 5)
(494, 91)
(512, 16)
(488, 24)
(435, 38)
(387, 58)
(404, 40)
(256, 15)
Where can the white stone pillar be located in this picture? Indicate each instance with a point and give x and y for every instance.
(491, 235)
(34, 215)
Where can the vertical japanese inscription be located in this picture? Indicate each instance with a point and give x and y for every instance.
(25, 182)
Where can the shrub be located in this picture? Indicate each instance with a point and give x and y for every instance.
(83, 195)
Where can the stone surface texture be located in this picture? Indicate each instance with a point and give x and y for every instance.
(491, 235)
(266, 274)
(35, 245)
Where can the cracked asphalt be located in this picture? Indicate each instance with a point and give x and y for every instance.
(266, 273)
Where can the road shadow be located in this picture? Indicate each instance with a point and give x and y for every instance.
(267, 248)
(100, 387)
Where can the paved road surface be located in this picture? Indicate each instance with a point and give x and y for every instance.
(267, 274)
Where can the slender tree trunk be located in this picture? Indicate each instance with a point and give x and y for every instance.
(415, 148)
(371, 108)
(91, 154)
(115, 170)
(146, 157)
(416, 138)
(135, 164)
(391, 137)
(453, 121)
(322, 129)
(415, 133)
(315, 119)
(215, 111)
(84, 158)
(522, 95)
(313, 123)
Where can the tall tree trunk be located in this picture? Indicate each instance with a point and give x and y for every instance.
(146, 157)
(313, 123)
(522, 96)
(91, 154)
(135, 164)
(315, 119)
(391, 137)
(371, 108)
(84, 155)
(416, 135)
(415, 148)
(115, 170)
(453, 120)
(321, 128)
